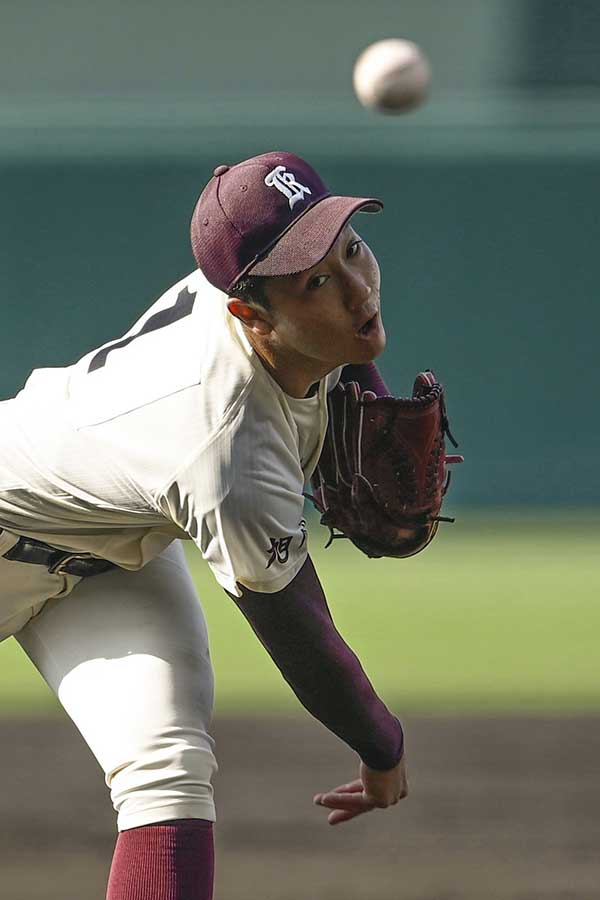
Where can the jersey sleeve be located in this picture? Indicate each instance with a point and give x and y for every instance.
(241, 502)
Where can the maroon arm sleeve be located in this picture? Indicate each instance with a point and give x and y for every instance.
(367, 375)
(295, 627)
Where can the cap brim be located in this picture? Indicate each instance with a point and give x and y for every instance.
(311, 236)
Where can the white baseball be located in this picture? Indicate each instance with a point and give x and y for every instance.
(391, 76)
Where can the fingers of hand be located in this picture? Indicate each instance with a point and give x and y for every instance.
(351, 801)
(353, 787)
(343, 815)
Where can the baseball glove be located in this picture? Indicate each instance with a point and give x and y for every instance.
(381, 476)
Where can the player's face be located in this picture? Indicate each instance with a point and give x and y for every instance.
(330, 315)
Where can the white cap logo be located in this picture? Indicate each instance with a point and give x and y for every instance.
(286, 183)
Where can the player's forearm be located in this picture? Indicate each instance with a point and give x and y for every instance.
(297, 630)
(368, 376)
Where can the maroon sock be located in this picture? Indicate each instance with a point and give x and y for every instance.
(171, 861)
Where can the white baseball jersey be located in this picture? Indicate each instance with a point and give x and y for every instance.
(174, 430)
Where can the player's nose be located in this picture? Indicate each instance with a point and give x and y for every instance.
(358, 290)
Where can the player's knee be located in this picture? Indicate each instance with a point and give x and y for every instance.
(170, 780)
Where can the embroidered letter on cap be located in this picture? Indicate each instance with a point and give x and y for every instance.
(286, 183)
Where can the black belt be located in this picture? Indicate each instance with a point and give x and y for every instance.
(58, 562)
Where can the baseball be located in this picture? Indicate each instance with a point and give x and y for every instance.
(391, 76)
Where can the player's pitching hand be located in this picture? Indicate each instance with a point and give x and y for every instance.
(372, 790)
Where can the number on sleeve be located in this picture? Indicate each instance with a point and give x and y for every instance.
(182, 308)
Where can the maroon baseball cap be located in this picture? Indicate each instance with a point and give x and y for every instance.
(269, 215)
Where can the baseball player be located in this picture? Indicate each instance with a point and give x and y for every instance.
(204, 422)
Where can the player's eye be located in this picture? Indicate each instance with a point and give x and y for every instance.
(316, 282)
(353, 248)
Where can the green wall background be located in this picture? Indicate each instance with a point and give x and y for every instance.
(490, 276)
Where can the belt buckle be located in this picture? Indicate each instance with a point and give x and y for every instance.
(57, 568)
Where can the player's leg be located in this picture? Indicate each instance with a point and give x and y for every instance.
(127, 654)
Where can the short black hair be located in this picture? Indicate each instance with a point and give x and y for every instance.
(252, 289)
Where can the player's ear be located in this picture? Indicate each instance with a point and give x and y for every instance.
(250, 316)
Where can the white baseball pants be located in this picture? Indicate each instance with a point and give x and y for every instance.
(127, 655)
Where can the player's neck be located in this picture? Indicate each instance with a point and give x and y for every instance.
(294, 374)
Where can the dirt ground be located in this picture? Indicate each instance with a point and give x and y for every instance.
(500, 809)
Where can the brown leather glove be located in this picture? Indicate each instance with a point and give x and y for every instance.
(381, 477)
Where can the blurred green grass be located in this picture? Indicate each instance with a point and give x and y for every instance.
(500, 614)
